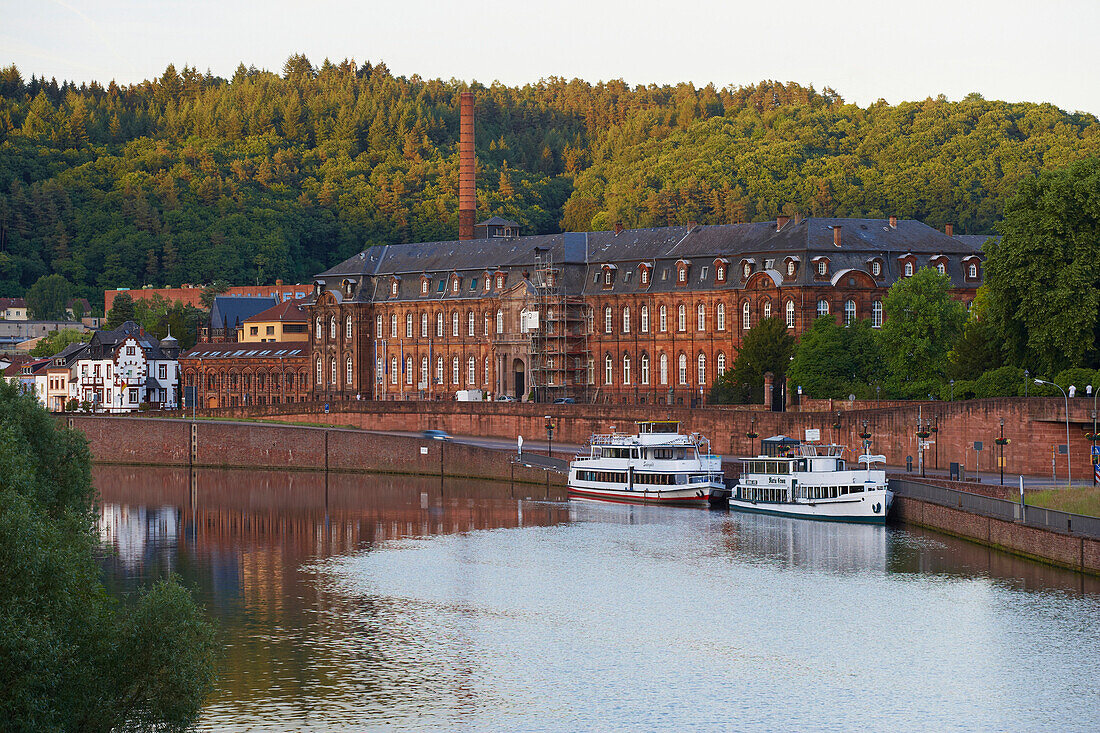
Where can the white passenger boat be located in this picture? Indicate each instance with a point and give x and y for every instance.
(796, 479)
(656, 466)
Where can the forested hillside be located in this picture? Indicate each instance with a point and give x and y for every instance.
(192, 178)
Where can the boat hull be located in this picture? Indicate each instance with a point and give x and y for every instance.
(872, 508)
(696, 495)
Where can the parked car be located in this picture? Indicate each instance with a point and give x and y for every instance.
(435, 435)
(565, 401)
(506, 398)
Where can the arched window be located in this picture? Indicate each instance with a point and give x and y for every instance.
(721, 364)
(393, 288)
(332, 327)
(746, 316)
(439, 370)
(790, 268)
(500, 321)
(746, 270)
(318, 329)
(664, 368)
(972, 270)
(424, 287)
(790, 314)
(822, 308)
(681, 317)
(347, 327)
(408, 370)
(626, 320)
(395, 368)
(424, 325)
(702, 368)
(849, 312)
(471, 371)
(607, 319)
(348, 371)
(682, 274)
(645, 319)
(332, 371)
(720, 273)
(822, 267)
(607, 276)
(408, 325)
(909, 269)
(701, 317)
(767, 309)
(683, 369)
(876, 268)
(424, 371)
(645, 276)
(876, 314)
(454, 323)
(720, 316)
(940, 268)
(439, 324)
(626, 368)
(664, 319)
(485, 324)
(645, 368)
(485, 374)
(393, 325)
(470, 323)
(608, 367)
(454, 286)
(454, 370)
(320, 372)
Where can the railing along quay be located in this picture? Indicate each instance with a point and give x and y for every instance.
(1009, 511)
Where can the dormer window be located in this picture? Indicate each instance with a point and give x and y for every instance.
(424, 285)
(940, 268)
(876, 268)
(607, 277)
(500, 281)
(683, 275)
(909, 269)
(393, 289)
(349, 286)
(746, 270)
(455, 284)
(790, 269)
(822, 267)
(972, 271)
(720, 274)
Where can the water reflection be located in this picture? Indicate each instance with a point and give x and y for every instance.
(373, 601)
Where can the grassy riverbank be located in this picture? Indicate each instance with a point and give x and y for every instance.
(1078, 500)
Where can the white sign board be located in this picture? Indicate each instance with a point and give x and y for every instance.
(813, 435)
(423, 450)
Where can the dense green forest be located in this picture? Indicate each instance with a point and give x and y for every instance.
(190, 177)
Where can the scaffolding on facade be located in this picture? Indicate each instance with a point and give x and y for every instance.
(557, 326)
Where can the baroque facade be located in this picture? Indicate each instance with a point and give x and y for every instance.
(649, 315)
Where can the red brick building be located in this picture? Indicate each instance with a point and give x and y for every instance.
(650, 315)
(237, 374)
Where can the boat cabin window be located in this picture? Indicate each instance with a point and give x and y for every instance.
(666, 427)
(669, 454)
(617, 452)
(771, 467)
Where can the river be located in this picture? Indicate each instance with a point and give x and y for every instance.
(394, 603)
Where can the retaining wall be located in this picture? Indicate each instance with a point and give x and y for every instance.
(211, 444)
(1062, 549)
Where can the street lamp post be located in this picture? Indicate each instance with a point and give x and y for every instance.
(549, 436)
(866, 437)
(1092, 439)
(922, 438)
(1069, 456)
(1002, 443)
(752, 435)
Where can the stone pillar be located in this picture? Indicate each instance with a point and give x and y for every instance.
(769, 385)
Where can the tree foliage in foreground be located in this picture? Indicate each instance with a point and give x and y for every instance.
(835, 361)
(55, 341)
(73, 657)
(767, 347)
(1044, 274)
(48, 298)
(922, 323)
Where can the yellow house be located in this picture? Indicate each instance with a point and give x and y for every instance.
(280, 323)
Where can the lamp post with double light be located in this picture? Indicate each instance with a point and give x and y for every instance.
(752, 435)
(1069, 458)
(549, 436)
(1002, 442)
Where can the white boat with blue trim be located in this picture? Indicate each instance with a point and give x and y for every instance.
(795, 479)
(658, 465)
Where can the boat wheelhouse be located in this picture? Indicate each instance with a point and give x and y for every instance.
(814, 481)
(658, 465)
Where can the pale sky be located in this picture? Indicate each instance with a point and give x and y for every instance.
(1015, 50)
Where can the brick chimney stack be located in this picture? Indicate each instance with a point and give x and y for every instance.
(467, 198)
(893, 222)
(781, 221)
(618, 227)
(949, 230)
(836, 235)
